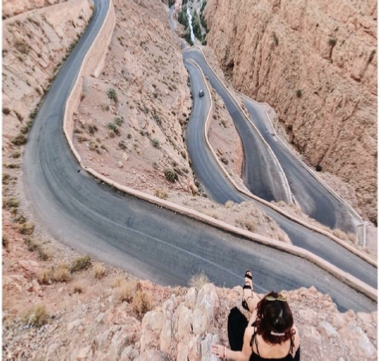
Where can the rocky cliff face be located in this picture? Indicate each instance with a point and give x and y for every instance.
(35, 43)
(316, 64)
(15, 7)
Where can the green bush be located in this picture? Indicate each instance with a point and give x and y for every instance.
(119, 121)
(80, 263)
(156, 143)
(114, 128)
(171, 175)
(111, 93)
(299, 93)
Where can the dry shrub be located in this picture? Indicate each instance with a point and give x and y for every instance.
(42, 254)
(352, 237)
(198, 280)
(247, 223)
(210, 213)
(36, 316)
(125, 291)
(62, 273)
(229, 204)
(45, 276)
(99, 271)
(81, 263)
(339, 233)
(26, 228)
(117, 281)
(160, 193)
(142, 303)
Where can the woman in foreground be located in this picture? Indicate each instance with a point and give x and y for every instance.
(270, 334)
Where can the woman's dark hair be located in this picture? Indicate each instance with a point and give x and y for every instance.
(274, 319)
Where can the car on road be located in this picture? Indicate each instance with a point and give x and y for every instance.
(201, 93)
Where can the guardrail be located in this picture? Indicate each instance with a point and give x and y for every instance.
(336, 272)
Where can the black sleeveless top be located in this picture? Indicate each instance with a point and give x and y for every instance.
(288, 357)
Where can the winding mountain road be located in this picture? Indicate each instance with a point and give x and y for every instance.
(314, 199)
(146, 240)
(220, 189)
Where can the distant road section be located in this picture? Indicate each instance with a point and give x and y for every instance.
(311, 195)
(261, 172)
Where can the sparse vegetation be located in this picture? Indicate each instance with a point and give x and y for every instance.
(20, 139)
(33, 114)
(198, 280)
(171, 175)
(339, 233)
(122, 145)
(141, 304)
(12, 203)
(80, 263)
(37, 316)
(111, 93)
(6, 178)
(114, 128)
(45, 276)
(332, 42)
(248, 223)
(160, 193)
(119, 121)
(156, 143)
(26, 228)
(224, 160)
(125, 291)
(62, 273)
(99, 271)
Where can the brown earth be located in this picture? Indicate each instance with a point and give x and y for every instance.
(96, 316)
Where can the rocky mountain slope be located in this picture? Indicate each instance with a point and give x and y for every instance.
(101, 313)
(315, 63)
(58, 304)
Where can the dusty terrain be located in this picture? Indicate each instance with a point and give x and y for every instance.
(316, 65)
(97, 313)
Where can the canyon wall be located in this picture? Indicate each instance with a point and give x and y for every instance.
(315, 63)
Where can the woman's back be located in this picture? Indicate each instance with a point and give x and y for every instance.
(281, 352)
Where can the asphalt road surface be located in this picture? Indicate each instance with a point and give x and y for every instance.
(261, 173)
(311, 195)
(146, 240)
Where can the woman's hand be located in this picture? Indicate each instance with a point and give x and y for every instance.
(219, 351)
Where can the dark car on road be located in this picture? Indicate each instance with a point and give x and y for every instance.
(201, 93)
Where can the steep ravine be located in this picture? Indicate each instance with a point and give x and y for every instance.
(315, 64)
